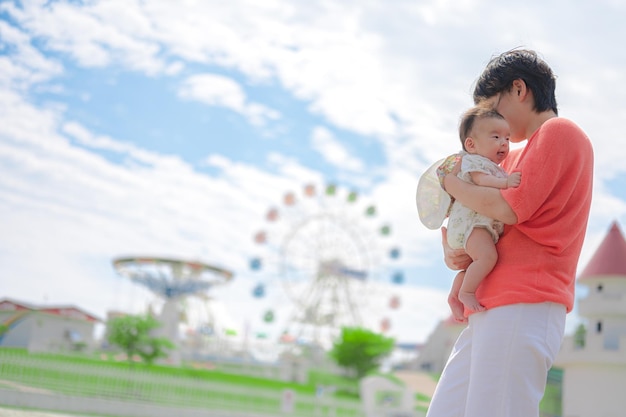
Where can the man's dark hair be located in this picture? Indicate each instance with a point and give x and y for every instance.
(523, 64)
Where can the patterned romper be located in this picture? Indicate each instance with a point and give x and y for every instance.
(462, 220)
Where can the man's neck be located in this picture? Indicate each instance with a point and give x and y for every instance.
(538, 120)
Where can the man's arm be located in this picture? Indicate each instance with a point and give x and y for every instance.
(487, 180)
(485, 200)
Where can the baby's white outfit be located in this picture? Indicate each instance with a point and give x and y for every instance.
(463, 220)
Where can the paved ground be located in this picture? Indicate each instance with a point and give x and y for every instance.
(418, 381)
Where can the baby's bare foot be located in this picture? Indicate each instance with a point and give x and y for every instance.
(469, 300)
(456, 306)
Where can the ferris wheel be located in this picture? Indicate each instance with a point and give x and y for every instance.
(326, 248)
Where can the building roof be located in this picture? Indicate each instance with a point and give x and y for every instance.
(7, 304)
(610, 257)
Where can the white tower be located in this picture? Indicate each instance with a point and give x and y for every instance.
(594, 367)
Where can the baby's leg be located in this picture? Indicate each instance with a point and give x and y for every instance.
(483, 252)
(456, 306)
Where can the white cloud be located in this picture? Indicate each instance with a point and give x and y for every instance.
(23, 65)
(96, 34)
(290, 168)
(324, 142)
(217, 90)
(347, 60)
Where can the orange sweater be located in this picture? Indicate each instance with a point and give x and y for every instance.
(537, 257)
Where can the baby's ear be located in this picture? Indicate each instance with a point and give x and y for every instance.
(469, 143)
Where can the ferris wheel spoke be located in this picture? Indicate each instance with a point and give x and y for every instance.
(326, 245)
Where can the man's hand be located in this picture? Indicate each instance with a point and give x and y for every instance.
(455, 259)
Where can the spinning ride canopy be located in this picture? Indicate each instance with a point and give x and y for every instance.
(171, 278)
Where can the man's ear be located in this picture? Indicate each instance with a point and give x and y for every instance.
(519, 88)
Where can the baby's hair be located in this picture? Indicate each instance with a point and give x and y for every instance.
(469, 119)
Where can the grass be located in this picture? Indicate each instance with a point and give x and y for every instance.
(81, 374)
(173, 386)
(157, 370)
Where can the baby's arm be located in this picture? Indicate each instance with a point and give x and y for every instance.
(487, 180)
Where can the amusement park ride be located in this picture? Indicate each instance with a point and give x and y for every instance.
(328, 250)
(173, 280)
(330, 254)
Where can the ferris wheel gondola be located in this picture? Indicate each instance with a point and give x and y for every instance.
(325, 246)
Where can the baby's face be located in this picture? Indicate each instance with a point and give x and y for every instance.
(490, 138)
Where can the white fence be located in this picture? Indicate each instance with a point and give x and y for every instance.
(77, 387)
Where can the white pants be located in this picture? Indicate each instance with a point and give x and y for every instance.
(499, 364)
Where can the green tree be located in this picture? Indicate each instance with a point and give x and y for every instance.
(360, 350)
(580, 336)
(133, 334)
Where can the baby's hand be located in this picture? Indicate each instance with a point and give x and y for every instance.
(514, 180)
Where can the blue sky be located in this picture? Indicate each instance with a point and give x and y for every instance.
(170, 128)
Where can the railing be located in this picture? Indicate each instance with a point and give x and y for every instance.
(138, 385)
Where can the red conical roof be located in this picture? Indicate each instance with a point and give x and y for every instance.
(610, 257)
